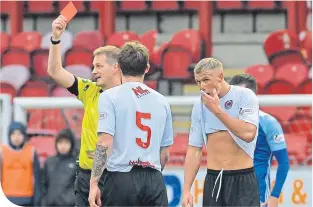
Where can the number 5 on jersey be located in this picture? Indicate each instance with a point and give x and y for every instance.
(147, 129)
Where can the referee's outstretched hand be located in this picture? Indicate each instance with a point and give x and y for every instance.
(94, 196)
(58, 27)
(211, 102)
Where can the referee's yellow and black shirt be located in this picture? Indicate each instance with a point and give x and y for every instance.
(88, 93)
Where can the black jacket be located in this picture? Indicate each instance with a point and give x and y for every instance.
(58, 179)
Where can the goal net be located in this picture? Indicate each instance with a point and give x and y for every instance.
(45, 117)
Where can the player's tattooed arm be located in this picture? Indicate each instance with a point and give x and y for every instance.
(103, 149)
(164, 154)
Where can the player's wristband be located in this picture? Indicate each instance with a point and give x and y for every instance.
(55, 42)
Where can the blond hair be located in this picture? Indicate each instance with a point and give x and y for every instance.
(110, 51)
(207, 64)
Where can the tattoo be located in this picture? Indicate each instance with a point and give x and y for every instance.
(164, 158)
(99, 162)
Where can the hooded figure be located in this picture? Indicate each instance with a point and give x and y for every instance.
(20, 168)
(59, 172)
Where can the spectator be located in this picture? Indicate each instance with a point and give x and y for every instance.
(59, 172)
(20, 168)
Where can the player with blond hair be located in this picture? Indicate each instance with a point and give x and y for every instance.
(106, 75)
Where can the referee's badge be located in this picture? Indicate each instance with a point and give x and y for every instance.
(228, 104)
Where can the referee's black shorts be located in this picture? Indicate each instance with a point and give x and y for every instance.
(231, 188)
(82, 186)
(139, 187)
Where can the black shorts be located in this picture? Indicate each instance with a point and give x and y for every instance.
(82, 186)
(231, 188)
(139, 187)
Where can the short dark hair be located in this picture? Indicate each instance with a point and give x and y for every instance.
(246, 79)
(133, 59)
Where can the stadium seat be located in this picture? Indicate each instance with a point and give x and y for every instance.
(149, 39)
(9, 75)
(261, 4)
(79, 5)
(81, 71)
(40, 63)
(179, 148)
(53, 119)
(189, 39)
(306, 44)
(28, 41)
(281, 47)
(156, 56)
(35, 117)
(164, 5)
(292, 73)
(4, 38)
(282, 114)
(305, 87)
(133, 5)
(228, 5)
(191, 5)
(296, 145)
(34, 89)
(90, 40)
(40, 7)
(74, 118)
(5, 7)
(119, 38)
(175, 63)
(16, 57)
(45, 147)
(301, 124)
(262, 73)
(8, 89)
(279, 87)
(151, 84)
(95, 5)
(78, 56)
(66, 39)
(61, 92)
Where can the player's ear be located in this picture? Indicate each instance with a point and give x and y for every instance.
(220, 77)
(147, 69)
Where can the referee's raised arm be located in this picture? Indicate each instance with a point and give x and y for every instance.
(55, 68)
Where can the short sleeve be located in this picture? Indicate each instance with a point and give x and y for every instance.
(195, 135)
(168, 137)
(106, 123)
(274, 134)
(249, 107)
(86, 88)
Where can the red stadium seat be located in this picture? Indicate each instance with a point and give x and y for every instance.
(283, 114)
(178, 149)
(74, 118)
(175, 63)
(164, 5)
(306, 45)
(149, 39)
(78, 56)
(192, 5)
(292, 73)
(53, 120)
(4, 38)
(119, 38)
(5, 7)
(133, 5)
(35, 119)
(95, 5)
(279, 87)
(262, 73)
(8, 89)
(225, 5)
(151, 84)
(296, 145)
(301, 124)
(90, 40)
(61, 92)
(156, 56)
(45, 147)
(34, 89)
(261, 4)
(79, 5)
(189, 39)
(305, 87)
(40, 63)
(40, 7)
(16, 57)
(281, 47)
(28, 41)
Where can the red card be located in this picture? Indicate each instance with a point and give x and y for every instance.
(69, 11)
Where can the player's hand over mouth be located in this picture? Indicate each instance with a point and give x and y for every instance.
(211, 102)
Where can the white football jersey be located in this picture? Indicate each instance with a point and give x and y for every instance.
(140, 121)
(240, 103)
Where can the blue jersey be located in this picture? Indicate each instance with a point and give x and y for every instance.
(270, 142)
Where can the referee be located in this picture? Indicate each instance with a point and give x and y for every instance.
(106, 75)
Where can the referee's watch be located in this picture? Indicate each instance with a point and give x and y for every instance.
(54, 42)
